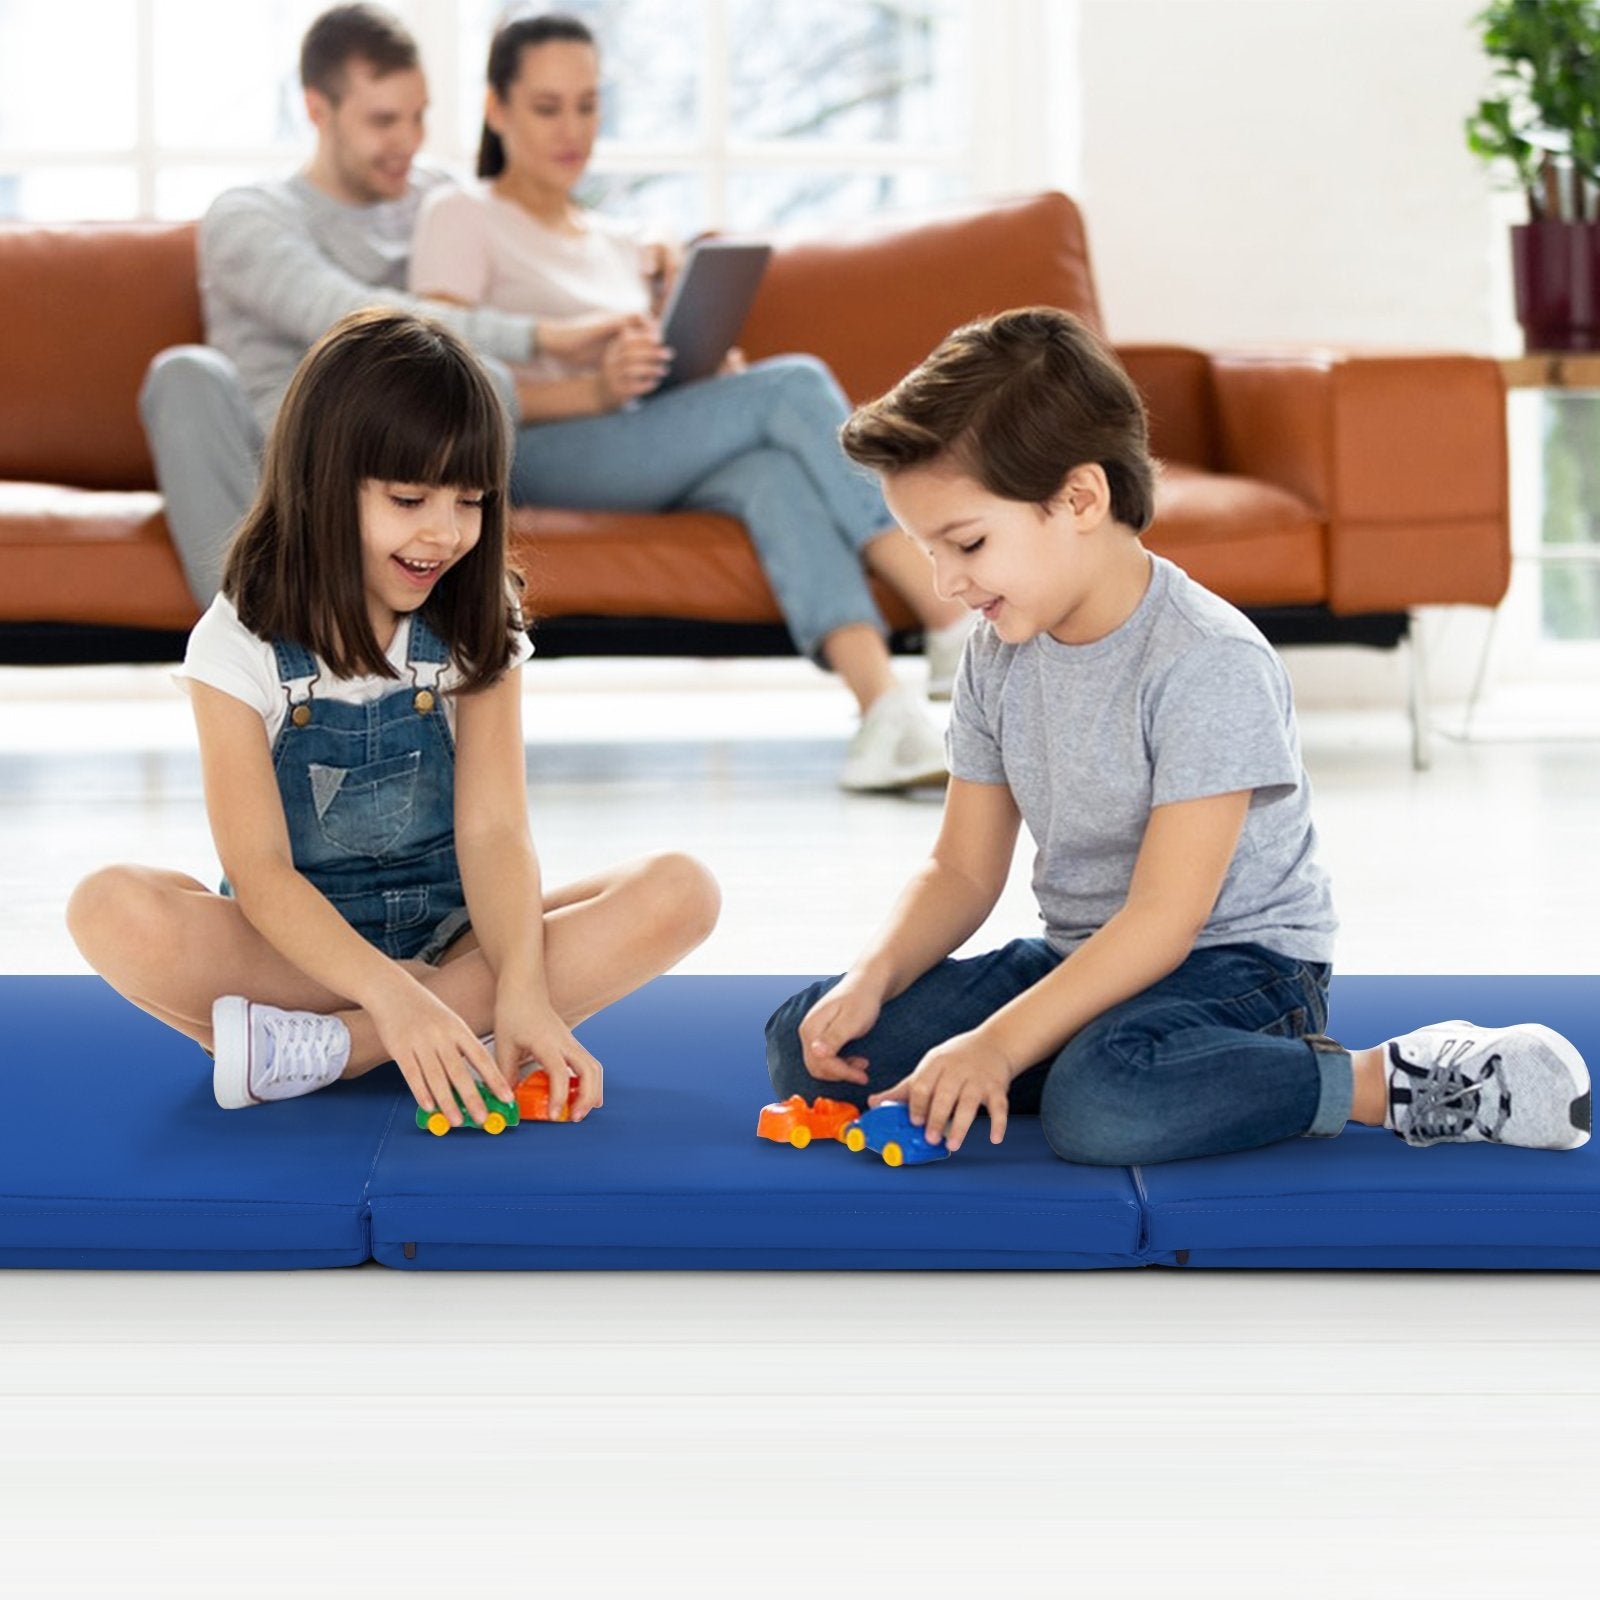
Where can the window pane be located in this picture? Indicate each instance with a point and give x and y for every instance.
(69, 194)
(183, 193)
(227, 77)
(66, 75)
(651, 56)
(844, 72)
(762, 200)
(672, 202)
(1570, 534)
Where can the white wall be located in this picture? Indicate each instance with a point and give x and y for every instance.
(1286, 169)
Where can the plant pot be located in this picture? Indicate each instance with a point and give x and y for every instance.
(1555, 267)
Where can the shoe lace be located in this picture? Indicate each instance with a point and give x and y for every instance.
(1447, 1102)
(300, 1043)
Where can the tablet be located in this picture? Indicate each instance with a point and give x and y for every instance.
(710, 299)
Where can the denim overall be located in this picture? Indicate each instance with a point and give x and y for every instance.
(369, 797)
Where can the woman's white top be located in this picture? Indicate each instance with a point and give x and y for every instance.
(473, 246)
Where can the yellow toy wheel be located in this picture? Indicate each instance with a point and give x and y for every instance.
(799, 1137)
(439, 1124)
(855, 1139)
(893, 1155)
(494, 1123)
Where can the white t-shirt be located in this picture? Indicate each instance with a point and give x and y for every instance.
(476, 247)
(225, 654)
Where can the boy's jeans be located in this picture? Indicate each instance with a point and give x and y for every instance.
(1223, 1054)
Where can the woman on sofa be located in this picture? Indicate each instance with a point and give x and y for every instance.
(758, 442)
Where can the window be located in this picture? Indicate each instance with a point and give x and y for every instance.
(738, 114)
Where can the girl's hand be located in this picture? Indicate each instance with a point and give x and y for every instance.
(439, 1056)
(847, 1011)
(660, 262)
(733, 362)
(949, 1086)
(529, 1035)
(633, 362)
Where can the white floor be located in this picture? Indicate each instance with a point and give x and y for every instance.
(1147, 1434)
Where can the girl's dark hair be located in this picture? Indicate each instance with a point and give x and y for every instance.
(1017, 401)
(386, 396)
(505, 62)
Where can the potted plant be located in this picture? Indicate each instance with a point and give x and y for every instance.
(1540, 132)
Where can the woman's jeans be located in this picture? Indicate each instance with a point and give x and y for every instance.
(1223, 1054)
(761, 445)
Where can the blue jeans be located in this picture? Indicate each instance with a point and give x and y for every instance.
(1223, 1054)
(761, 445)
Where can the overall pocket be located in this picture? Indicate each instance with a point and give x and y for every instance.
(365, 811)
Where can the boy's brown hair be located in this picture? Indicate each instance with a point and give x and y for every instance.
(1016, 401)
(389, 397)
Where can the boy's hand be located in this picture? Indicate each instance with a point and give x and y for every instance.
(529, 1035)
(949, 1086)
(845, 1012)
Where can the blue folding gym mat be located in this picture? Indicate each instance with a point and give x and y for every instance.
(669, 1173)
(113, 1152)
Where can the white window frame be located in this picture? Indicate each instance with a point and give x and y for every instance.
(1022, 76)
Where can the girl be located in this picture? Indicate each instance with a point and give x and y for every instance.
(759, 444)
(1145, 732)
(357, 691)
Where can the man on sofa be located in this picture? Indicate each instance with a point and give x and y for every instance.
(281, 261)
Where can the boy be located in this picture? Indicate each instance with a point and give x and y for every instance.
(1145, 732)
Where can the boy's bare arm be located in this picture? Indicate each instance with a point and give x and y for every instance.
(948, 899)
(944, 904)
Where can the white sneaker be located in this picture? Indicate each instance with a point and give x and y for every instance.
(943, 647)
(1455, 1083)
(897, 746)
(263, 1053)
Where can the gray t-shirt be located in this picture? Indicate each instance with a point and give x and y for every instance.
(281, 262)
(1185, 699)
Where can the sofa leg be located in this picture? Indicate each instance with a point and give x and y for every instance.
(1421, 725)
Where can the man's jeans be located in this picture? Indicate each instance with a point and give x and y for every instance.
(1223, 1054)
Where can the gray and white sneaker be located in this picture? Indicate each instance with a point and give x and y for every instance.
(897, 746)
(1457, 1083)
(264, 1053)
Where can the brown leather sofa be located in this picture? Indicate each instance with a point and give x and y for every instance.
(1325, 491)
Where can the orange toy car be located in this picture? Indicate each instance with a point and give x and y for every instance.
(794, 1122)
(533, 1098)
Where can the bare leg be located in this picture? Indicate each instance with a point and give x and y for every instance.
(1371, 1091)
(172, 947)
(859, 655)
(910, 574)
(604, 937)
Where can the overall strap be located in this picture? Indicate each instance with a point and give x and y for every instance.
(297, 672)
(427, 656)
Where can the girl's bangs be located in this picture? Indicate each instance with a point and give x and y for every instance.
(446, 431)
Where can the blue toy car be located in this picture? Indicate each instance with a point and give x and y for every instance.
(889, 1130)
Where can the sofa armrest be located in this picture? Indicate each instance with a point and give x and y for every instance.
(1404, 456)
(1176, 385)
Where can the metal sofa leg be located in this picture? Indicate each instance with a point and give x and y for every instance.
(1421, 722)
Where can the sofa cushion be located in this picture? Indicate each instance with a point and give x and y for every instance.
(873, 300)
(1255, 543)
(93, 556)
(87, 305)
